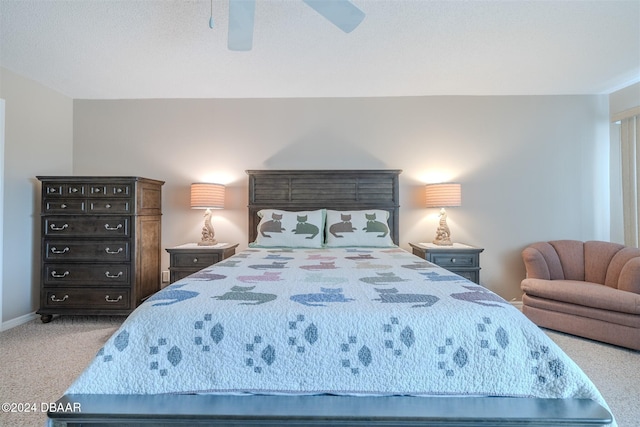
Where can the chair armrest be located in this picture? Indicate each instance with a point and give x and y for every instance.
(535, 264)
(629, 279)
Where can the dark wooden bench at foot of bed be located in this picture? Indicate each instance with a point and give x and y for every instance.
(324, 410)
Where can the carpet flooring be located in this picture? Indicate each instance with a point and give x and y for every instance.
(39, 361)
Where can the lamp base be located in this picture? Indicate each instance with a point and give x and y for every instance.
(443, 242)
(443, 234)
(208, 233)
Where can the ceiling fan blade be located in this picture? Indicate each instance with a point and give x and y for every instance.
(342, 13)
(241, 14)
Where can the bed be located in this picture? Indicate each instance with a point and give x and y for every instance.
(324, 320)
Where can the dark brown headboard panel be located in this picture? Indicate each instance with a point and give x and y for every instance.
(298, 190)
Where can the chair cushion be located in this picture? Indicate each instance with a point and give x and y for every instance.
(584, 293)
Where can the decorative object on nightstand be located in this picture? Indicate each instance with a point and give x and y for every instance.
(463, 260)
(207, 196)
(191, 257)
(442, 196)
(100, 244)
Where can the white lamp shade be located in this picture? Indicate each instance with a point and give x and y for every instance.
(443, 195)
(207, 196)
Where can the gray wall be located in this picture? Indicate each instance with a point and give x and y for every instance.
(531, 167)
(38, 141)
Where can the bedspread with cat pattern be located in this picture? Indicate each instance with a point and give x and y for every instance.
(350, 321)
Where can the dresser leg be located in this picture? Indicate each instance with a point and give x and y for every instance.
(46, 318)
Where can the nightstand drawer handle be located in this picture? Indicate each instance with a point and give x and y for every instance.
(54, 299)
(113, 276)
(74, 190)
(108, 227)
(59, 276)
(195, 260)
(106, 298)
(55, 251)
(108, 206)
(453, 260)
(109, 251)
(55, 228)
(63, 206)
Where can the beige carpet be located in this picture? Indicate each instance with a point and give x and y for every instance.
(39, 361)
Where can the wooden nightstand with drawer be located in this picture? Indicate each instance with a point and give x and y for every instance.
(190, 258)
(463, 260)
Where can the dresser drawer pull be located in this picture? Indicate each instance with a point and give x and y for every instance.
(109, 251)
(108, 227)
(108, 206)
(63, 206)
(195, 260)
(453, 260)
(56, 251)
(106, 298)
(55, 228)
(59, 276)
(113, 276)
(54, 299)
(74, 189)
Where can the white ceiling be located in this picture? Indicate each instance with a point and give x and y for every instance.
(107, 49)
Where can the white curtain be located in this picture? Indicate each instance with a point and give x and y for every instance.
(630, 155)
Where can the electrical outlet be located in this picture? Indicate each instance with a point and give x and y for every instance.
(165, 277)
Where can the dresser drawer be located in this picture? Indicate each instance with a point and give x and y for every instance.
(109, 206)
(195, 260)
(454, 259)
(86, 226)
(98, 251)
(67, 206)
(86, 274)
(104, 298)
(109, 190)
(56, 189)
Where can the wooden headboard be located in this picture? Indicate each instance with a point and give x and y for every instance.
(298, 190)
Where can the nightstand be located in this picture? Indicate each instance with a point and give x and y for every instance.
(189, 258)
(463, 260)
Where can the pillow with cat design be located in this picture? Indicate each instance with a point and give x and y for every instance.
(358, 228)
(278, 228)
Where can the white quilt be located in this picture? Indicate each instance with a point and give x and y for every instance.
(342, 321)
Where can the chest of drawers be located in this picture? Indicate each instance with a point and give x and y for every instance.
(100, 244)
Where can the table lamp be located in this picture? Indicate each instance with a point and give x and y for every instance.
(207, 196)
(441, 196)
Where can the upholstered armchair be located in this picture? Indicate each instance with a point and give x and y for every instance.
(590, 289)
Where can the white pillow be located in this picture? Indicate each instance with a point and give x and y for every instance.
(278, 228)
(358, 228)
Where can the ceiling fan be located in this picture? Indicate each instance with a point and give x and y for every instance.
(342, 13)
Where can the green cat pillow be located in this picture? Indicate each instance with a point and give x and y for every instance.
(279, 228)
(358, 228)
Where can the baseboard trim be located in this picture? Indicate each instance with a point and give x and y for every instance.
(18, 321)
